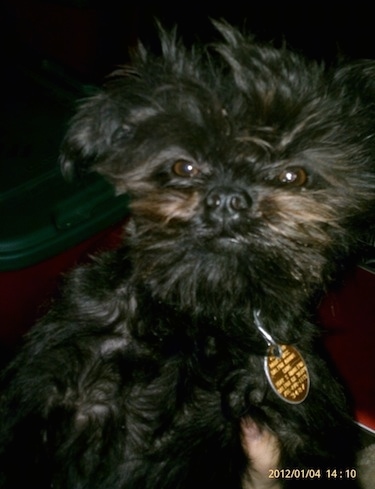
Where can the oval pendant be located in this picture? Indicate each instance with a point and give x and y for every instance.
(287, 373)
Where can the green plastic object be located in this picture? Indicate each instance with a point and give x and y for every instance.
(49, 216)
(41, 214)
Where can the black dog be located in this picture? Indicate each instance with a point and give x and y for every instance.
(251, 173)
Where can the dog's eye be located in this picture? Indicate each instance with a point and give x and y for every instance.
(293, 176)
(184, 168)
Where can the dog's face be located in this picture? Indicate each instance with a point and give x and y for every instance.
(248, 169)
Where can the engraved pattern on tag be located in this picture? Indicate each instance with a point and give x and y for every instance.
(287, 374)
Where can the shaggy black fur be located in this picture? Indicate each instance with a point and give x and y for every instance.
(252, 176)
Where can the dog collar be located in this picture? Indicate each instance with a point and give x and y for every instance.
(285, 368)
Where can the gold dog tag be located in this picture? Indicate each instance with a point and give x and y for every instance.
(287, 373)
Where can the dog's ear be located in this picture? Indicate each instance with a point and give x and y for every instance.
(106, 122)
(356, 82)
(93, 132)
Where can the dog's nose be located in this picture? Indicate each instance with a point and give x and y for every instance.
(227, 202)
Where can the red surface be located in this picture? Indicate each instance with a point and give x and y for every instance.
(348, 314)
(24, 294)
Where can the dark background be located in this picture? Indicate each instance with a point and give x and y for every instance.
(88, 38)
